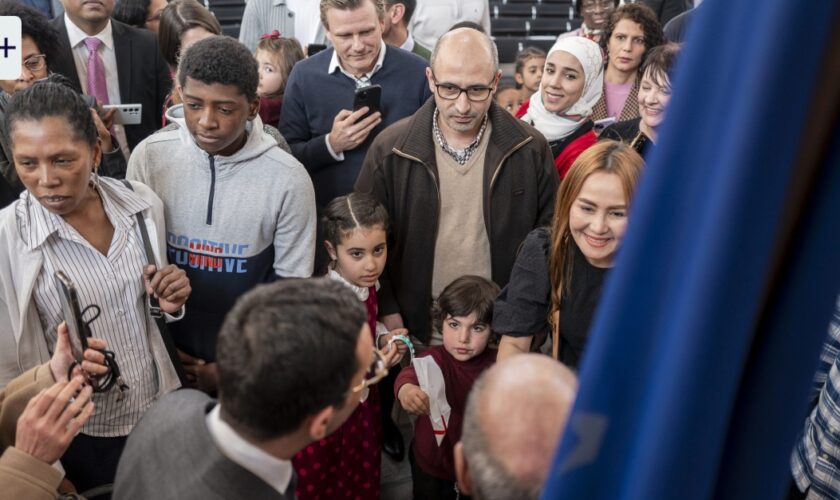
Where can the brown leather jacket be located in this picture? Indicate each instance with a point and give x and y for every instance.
(520, 183)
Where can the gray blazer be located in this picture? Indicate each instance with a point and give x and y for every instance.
(171, 455)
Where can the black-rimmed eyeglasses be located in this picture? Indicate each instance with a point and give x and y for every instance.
(476, 93)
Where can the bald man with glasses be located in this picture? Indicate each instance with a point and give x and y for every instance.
(463, 181)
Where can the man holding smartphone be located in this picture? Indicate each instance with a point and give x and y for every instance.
(318, 120)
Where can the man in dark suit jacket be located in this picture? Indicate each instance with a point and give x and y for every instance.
(142, 75)
(282, 385)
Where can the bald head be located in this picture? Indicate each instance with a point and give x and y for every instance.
(515, 415)
(466, 48)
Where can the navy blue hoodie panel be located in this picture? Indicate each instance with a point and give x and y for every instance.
(217, 282)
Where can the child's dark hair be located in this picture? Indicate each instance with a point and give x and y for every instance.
(287, 52)
(37, 26)
(464, 296)
(223, 60)
(346, 213)
(48, 99)
(525, 54)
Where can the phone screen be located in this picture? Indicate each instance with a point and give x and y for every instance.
(72, 314)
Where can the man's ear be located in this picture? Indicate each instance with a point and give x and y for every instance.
(320, 423)
(462, 473)
(397, 13)
(431, 80)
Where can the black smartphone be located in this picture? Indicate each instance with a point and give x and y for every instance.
(72, 315)
(367, 96)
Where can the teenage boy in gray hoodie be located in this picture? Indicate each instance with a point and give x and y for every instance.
(239, 210)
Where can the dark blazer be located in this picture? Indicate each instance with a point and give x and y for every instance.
(142, 73)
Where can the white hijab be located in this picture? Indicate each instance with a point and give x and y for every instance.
(552, 125)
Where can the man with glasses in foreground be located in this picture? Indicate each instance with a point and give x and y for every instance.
(295, 358)
(463, 181)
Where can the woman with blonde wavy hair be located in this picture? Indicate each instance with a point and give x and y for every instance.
(559, 272)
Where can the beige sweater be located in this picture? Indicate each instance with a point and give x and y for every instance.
(462, 246)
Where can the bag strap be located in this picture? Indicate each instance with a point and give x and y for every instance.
(154, 306)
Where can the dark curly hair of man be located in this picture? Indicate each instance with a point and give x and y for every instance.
(222, 60)
(644, 17)
(35, 25)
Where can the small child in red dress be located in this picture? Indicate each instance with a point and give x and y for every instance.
(463, 312)
(347, 463)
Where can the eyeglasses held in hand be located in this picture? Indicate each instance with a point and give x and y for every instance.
(376, 372)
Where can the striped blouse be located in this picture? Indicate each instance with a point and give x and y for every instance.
(115, 284)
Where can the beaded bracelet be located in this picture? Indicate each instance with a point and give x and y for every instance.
(405, 340)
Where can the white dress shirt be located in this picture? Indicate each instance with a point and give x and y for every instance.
(408, 44)
(113, 282)
(109, 60)
(276, 472)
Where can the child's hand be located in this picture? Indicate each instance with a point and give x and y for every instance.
(413, 399)
(386, 339)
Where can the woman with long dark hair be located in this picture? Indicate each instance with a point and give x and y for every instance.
(556, 281)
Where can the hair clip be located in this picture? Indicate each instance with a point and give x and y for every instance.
(274, 35)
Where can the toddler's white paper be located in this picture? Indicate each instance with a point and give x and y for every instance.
(431, 382)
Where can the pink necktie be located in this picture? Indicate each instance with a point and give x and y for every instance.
(96, 71)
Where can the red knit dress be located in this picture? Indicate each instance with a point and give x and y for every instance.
(347, 463)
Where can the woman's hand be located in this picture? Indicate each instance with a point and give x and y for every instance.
(413, 399)
(170, 286)
(93, 363)
(102, 131)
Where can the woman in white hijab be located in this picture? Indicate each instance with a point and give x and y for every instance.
(572, 82)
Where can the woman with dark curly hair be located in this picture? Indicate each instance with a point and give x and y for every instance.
(632, 31)
(39, 46)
